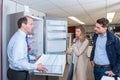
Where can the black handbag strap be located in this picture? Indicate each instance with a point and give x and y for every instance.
(115, 77)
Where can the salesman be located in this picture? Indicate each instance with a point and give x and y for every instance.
(17, 51)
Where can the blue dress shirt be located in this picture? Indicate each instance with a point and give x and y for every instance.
(101, 57)
(17, 53)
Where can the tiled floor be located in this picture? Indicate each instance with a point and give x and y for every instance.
(89, 75)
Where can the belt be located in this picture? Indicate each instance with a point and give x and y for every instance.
(17, 70)
(102, 66)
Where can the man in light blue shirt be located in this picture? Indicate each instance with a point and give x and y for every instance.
(100, 56)
(105, 55)
(18, 56)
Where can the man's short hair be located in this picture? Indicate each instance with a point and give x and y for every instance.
(103, 21)
(22, 20)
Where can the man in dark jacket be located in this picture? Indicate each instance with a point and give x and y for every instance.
(105, 55)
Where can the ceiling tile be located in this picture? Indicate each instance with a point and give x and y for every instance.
(87, 11)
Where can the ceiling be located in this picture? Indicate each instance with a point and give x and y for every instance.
(87, 11)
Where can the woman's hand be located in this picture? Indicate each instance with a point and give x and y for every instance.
(92, 63)
(67, 52)
(74, 40)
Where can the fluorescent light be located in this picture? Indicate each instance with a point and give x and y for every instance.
(110, 16)
(75, 19)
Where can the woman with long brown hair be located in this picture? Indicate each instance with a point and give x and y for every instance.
(79, 55)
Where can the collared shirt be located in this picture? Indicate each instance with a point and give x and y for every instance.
(101, 57)
(17, 53)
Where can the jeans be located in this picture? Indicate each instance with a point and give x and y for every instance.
(99, 72)
(70, 74)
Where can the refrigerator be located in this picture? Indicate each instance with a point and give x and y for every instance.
(55, 35)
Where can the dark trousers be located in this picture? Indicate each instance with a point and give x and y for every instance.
(70, 74)
(17, 75)
(99, 72)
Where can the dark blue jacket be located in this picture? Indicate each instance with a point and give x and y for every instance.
(112, 49)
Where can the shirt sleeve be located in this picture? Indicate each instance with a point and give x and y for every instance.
(19, 58)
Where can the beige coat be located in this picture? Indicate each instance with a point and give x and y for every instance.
(80, 72)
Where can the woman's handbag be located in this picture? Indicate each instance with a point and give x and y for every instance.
(110, 78)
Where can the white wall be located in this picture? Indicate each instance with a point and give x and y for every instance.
(10, 7)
